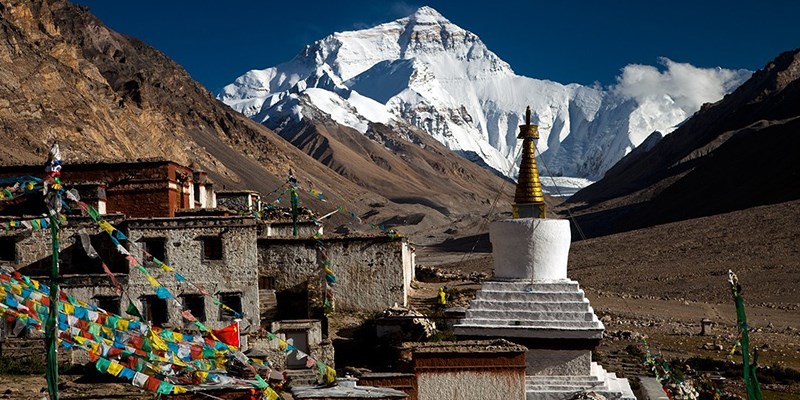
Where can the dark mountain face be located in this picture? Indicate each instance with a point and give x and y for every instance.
(66, 77)
(732, 155)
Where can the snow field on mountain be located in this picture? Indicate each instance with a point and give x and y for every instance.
(425, 71)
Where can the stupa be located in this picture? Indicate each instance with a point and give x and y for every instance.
(531, 301)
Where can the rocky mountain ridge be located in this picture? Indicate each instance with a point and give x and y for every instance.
(732, 155)
(66, 77)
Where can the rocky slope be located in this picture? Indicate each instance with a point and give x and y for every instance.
(66, 77)
(735, 154)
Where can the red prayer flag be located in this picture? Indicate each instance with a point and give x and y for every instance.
(151, 384)
(228, 335)
(187, 315)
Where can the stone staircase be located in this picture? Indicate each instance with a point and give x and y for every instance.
(554, 305)
(422, 304)
(301, 377)
(22, 347)
(565, 387)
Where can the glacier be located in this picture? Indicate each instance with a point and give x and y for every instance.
(425, 71)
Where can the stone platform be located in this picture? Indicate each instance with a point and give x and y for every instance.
(529, 309)
(561, 387)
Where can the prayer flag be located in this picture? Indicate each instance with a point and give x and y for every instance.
(132, 310)
(163, 293)
(229, 334)
(115, 368)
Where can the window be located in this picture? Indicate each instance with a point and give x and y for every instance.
(108, 303)
(196, 304)
(155, 310)
(266, 282)
(156, 247)
(8, 249)
(80, 262)
(232, 300)
(212, 248)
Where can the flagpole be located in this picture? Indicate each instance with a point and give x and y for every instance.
(53, 203)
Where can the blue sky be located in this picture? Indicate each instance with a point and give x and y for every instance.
(564, 41)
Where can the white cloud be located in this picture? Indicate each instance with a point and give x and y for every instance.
(683, 84)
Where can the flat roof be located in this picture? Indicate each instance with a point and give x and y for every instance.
(466, 346)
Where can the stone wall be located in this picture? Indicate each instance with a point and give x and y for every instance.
(34, 249)
(470, 385)
(84, 278)
(372, 273)
(236, 272)
(305, 229)
(546, 362)
(487, 369)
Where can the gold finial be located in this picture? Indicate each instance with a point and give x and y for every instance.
(528, 198)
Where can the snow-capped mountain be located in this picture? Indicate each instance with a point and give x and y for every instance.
(425, 71)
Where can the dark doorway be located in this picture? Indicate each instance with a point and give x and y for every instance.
(155, 310)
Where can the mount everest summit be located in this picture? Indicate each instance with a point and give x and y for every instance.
(426, 72)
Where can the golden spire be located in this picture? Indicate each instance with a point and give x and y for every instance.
(528, 199)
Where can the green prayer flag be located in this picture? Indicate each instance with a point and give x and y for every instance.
(102, 364)
(165, 388)
(261, 384)
(132, 310)
(93, 213)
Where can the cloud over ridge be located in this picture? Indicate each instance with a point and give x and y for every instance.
(682, 84)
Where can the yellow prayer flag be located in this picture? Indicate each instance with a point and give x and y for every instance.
(179, 390)
(282, 345)
(153, 281)
(105, 225)
(16, 289)
(94, 347)
(167, 268)
(122, 324)
(178, 337)
(156, 342)
(69, 309)
(177, 361)
(35, 283)
(202, 375)
(114, 368)
(107, 331)
(271, 394)
(80, 339)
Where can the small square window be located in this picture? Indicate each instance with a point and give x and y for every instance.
(196, 305)
(155, 310)
(212, 248)
(8, 249)
(108, 303)
(156, 247)
(232, 300)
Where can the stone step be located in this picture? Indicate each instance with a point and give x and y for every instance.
(301, 377)
(571, 379)
(568, 394)
(531, 315)
(566, 306)
(565, 387)
(524, 286)
(529, 296)
(481, 322)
